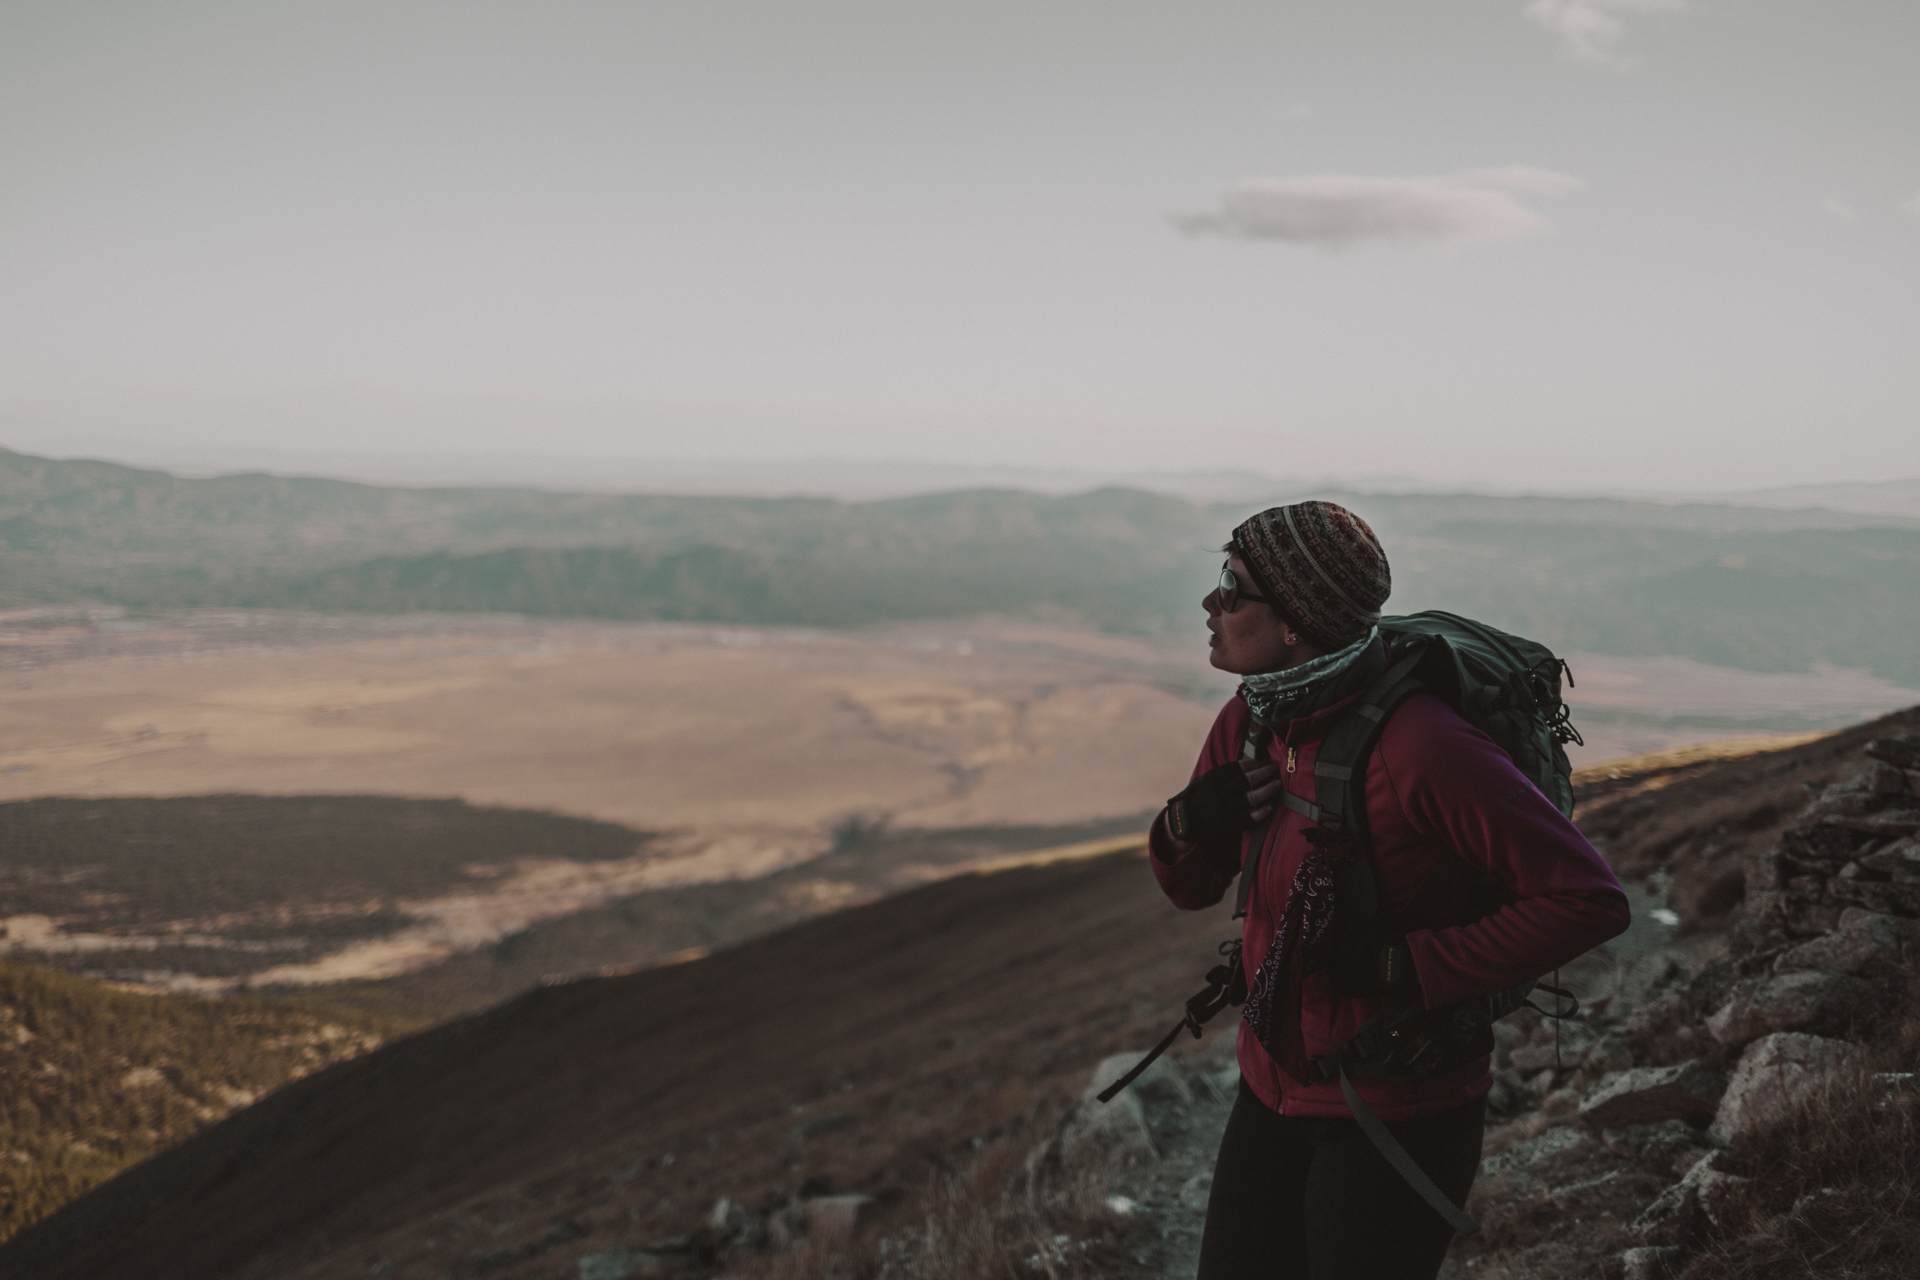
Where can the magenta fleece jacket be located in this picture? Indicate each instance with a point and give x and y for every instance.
(1440, 795)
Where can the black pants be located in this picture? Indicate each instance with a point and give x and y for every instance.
(1307, 1198)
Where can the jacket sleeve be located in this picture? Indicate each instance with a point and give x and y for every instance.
(1457, 786)
(1191, 876)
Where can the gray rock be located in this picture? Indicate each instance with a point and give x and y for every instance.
(1120, 1126)
(1644, 979)
(836, 1218)
(1551, 1157)
(1654, 1017)
(1878, 896)
(1809, 1001)
(1719, 1194)
(1659, 1146)
(1509, 1095)
(1675, 1214)
(1610, 1052)
(1689, 1091)
(1902, 752)
(1865, 940)
(1774, 1075)
(1650, 1262)
(1899, 859)
(1539, 1052)
(1890, 822)
(1886, 779)
(1561, 1105)
(621, 1264)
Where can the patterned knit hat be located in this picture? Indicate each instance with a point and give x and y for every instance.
(1321, 566)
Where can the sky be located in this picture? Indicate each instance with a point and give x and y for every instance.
(1557, 244)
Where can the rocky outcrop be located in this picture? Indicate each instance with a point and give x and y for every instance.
(1854, 846)
(1688, 1091)
(1808, 1000)
(1776, 1074)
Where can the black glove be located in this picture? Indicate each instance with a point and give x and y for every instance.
(1213, 810)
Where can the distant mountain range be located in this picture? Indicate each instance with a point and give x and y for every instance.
(1770, 587)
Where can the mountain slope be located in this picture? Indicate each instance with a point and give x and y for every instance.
(850, 1049)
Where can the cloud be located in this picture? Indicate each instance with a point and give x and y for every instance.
(1912, 206)
(1591, 29)
(1840, 209)
(1334, 210)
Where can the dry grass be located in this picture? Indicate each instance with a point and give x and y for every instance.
(1836, 1187)
(1011, 1211)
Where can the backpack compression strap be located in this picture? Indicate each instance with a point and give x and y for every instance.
(1403, 1164)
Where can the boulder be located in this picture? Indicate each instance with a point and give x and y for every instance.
(1901, 860)
(1865, 940)
(1651, 1262)
(1508, 1095)
(1558, 1156)
(1902, 752)
(1163, 1095)
(1540, 1051)
(1808, 1001)
(1562, 1172)
(1561, 1104)
(1719, 1194)
(1879, 896)
(1705, 1192)
(1610, 1052)
(622, 1264)
(1655, 1017)
(1890, 822)
(1663, 1146)
(832, 1219)
(1689, 1091)
(1887, 780)
(1774, 1075)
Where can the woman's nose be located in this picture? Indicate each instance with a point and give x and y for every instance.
(1211, 602)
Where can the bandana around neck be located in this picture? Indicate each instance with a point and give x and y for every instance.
(1275, 696)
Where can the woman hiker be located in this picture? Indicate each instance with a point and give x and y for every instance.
(1298, 1190)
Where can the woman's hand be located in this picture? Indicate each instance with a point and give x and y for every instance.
(1223, 802)
(1263, 789)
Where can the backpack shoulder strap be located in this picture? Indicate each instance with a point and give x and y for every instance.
(1339, 768)
(1256, 840)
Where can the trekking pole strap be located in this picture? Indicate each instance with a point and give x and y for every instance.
(1388, 1146)
(1112, 1091)
(1201, 1006)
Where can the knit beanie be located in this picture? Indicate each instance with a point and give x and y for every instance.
(1321, 566)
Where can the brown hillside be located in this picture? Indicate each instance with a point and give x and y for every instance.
(856, 1049)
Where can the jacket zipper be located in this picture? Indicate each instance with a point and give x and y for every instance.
(1290, 757)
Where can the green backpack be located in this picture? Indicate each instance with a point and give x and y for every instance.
(1506, 686)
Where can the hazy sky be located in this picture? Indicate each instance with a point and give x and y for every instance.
(1567, 243)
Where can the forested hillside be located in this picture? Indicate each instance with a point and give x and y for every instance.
(93, 1080)
(1759, 588)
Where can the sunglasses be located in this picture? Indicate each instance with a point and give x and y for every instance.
(1230, 593)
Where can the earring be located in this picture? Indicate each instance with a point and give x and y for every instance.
(1291, 638)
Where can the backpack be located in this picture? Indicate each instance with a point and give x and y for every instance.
(1509, 688)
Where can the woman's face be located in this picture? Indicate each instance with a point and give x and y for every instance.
(1252, 638)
